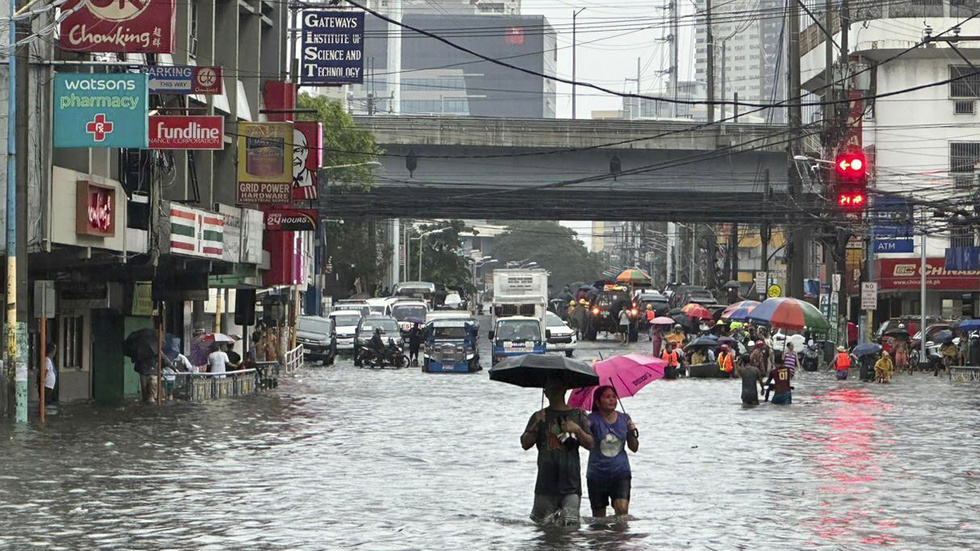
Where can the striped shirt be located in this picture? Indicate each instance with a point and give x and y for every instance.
(789, 361)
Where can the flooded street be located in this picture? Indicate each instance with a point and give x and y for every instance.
(346, 458)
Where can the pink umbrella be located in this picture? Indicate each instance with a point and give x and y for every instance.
(664, 320)
(627, 374)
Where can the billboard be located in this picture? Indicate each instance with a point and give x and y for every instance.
(265, 162)
(196, 232)
(905, 273)
(118, 26)
(181, 132)
(100, 110)
(183, 79)
(307, 158)
(332, 50)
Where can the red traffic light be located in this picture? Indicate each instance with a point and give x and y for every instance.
(851, 166)
(852, 199)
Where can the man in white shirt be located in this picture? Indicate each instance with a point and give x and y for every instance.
(218, 360)
(50, 375)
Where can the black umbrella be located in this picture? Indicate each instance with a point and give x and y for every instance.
(141, 344)
(943, 336)
(703, 342)
(898, 333)
(731, 284)
(536, 370)
(866, 349)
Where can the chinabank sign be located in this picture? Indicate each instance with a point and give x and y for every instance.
(107, 110)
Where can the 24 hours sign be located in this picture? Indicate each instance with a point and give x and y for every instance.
(108, 110)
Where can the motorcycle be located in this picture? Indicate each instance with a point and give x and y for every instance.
(391, 356)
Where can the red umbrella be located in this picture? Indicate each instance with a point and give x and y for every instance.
(696, 311)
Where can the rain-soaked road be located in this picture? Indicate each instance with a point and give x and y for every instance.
(344, 458)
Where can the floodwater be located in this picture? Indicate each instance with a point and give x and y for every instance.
(345, 458)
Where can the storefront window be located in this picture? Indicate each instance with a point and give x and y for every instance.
(949, 307)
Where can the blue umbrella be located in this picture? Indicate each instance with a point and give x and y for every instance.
(968, 325)
(866, 349)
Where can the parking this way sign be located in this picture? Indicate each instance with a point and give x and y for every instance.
(108, 110)
(183, 79)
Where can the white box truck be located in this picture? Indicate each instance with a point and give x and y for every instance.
(520, 301)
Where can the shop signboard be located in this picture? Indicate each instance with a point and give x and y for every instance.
(869, 296)
(905, 274)
(118, 26)
(892, 216)
(894, 246)
(181, 132)
(196, 232)
(142, 298)
(95, 209)
(183, 79)
(100, 110)
(290, 219)
(265, 155)
(332, 50)
(307, 158)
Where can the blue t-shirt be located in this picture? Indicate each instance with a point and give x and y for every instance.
(608, 460)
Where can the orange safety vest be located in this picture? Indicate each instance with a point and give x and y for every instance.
(843, 361)
(670, 358)
(725, 362)
(650, 315)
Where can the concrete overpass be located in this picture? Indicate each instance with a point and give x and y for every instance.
(563, 169)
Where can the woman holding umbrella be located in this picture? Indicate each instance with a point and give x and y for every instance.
(609, 476)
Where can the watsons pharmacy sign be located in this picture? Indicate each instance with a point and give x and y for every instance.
(107, 110)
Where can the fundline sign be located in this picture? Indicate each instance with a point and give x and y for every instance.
(332, 49)
(181, 132)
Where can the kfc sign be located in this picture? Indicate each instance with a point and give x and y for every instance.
(95, 210)
(118, 26)
(905, 273)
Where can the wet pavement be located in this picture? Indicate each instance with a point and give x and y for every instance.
(346, 458)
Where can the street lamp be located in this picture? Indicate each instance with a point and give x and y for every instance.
(574, 82)
(474, 264)
(419, 237)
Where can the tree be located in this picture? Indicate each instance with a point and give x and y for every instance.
(357, 256)
(554, 247)
(441, 258)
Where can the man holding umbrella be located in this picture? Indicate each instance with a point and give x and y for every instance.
(142, 347)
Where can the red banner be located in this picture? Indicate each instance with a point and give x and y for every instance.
(904, 273)
(290, 219)
(307, 158)
(118, 26)
(180, 132)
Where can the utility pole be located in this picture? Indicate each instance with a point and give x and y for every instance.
(711, 60)
(639, 109)
(723, 92)
(765, 229)
(574, 81)
(674, 58)
(796, 252)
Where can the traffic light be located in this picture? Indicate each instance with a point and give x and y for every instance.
(851, 181)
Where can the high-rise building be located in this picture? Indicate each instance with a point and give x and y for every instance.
(749, 52)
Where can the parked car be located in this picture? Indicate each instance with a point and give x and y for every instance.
(365, 330)
(344, 329)
(561, 337)
(316, 335)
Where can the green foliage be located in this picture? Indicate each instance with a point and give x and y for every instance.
(441, 262)
(554, 247)
(358, 256)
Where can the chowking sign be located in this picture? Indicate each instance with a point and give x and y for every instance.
(100, 110)
(179, 132)
(265, 162)
(118, 26)
(290, 220)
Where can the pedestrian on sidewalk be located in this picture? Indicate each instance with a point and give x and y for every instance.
(842, 363)
(558, 431)
(624, 324)
(609, 476)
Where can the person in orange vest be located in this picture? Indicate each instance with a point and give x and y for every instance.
(726, 359)
(842, 363)
(672, 358)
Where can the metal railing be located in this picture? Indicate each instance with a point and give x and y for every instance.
(208, 386)
(294, 359)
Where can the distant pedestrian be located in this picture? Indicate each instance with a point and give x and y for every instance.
(884, 369)
(672, 358)
(726, 360)
(609, 476)
(658, 341)
(558, 431)
(650, 315)
(415, 337)
(781, 387)
(218, 360)
(789, 359)
(50, 374)
(752, 378)
(624, 323)
(842, 363)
